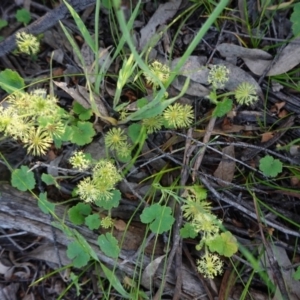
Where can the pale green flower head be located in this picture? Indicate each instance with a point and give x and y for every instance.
(43, 106)
(124, 150)
(27, 43)
(153, 124)
(7, 117)
(160, 71)
(20, 102)
(115, 138)
(194, 207)
(107, 222)
(37, 141)
(19, 128)
(53, 125)
(206, 223)
(87, 190)
(245, 94)
(101, 185)
(210, 265)
(123, 114)
(218, 75)
(178, 115)
(79, 161)
(106, 175)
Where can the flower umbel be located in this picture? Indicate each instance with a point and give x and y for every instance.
(123, 114)
(210, 265)
(20, 102)
(106, 173)
(87, 190)
(115, 138)
(218, 76)
(53, 126)
(159, 73)
(37, 141)
(246, 93)
(7, 117)
(100, 186)
(124, 150)
(206, 223)
(79, 161)
(153, 124)
(194, 207)
(187, 115)
(41, 106)
(107, 222)
(178, 115)
(27, 43)
(19, 128)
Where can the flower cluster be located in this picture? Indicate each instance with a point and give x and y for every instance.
(27, 43)
(33, 118)
(80, 161)
(210, 265)
(115, 139)
(178, 115)
(158, 73)
(153, 124)
(246, 93)
(195, 204)
(218, 76)
(37, 141)
(107, 222)
(174, 116)
(197, 210)
(100, 186)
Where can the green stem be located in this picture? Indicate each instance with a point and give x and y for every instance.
(141, 140)
(225, 94)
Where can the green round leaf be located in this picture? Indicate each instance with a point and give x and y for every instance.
(269, 166)
(188, 231)
(77, 253)
(11, 81)
(3, 23)
(78, 213)
(82, 133)
(295, 19)
(159, 217)
(23, 179)
(113, 202)
(109, 245)
(84, 113)
(93, 221)
(23, 16)
(222, 108)
(134, 132)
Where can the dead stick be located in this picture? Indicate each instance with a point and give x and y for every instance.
(208, 133)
